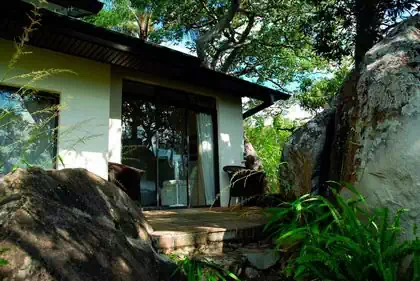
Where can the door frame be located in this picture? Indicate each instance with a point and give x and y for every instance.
(186, 101)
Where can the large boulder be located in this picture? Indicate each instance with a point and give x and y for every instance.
(73, 225)
(303, 156)
(383, 153)
(375, 134)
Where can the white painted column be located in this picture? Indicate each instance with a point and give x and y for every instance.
(230, 136)
(115, 122)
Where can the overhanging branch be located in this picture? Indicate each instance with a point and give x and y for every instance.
(232, 56)
(224, 23)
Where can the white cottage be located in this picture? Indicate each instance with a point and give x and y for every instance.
(126, 101)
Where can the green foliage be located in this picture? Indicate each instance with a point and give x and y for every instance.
(140, 18)
(202, 270)
(313, 94)
(268, 142)
(267, 41)
(343, 241)
(3, 262)
(116, 14)
(342, 28)
(262, 42)
(295, 222)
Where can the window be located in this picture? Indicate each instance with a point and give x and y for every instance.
(28, 127)
(170, 135)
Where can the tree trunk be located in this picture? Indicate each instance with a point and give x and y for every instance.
(143, 21)
(367, 25)
(344, 141)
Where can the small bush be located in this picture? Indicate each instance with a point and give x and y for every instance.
(268, 142)
(343, 241)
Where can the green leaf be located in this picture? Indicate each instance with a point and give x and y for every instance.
(61, 160)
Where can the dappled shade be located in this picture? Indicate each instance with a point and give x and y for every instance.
(73, 225)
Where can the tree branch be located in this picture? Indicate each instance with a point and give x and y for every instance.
(276, 83)
(196, 25)
(223, 23)
(274, 45)
(287, 129)
(233, 55)
(208, 11)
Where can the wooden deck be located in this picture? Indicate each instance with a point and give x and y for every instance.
(205, 230)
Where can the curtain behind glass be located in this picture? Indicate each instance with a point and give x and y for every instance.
(206, 155)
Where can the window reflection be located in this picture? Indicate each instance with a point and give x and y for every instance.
(173, 144)
(28, 129)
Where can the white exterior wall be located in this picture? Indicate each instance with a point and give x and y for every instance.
(230, 127)
(91, 100)
(85, 101)
(115, 124)
(229, 119)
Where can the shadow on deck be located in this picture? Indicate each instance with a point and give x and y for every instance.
(205, 230)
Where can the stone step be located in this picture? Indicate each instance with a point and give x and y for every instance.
(205, 230)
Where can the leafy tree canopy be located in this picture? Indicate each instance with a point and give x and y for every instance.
(270, 42)
(261, 40)
(314, 94)
(351, 27)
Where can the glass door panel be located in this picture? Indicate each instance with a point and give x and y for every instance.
(139, 145)
(165, 134)
(172, 156)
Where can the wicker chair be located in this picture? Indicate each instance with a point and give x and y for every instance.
(244, 183)
(126, 178)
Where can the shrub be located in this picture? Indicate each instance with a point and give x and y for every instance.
(268, 142)
(344, 241)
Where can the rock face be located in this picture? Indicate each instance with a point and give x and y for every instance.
(72, 225)
(251, 273)
(376, 142)
(303, 155)
(384, 152)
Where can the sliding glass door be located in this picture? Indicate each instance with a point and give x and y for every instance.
(172, 156)
(139, 139)
(170, 136)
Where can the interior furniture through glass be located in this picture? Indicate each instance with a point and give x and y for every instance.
(170, 135)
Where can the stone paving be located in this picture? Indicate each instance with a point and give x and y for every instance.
(204, 230)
